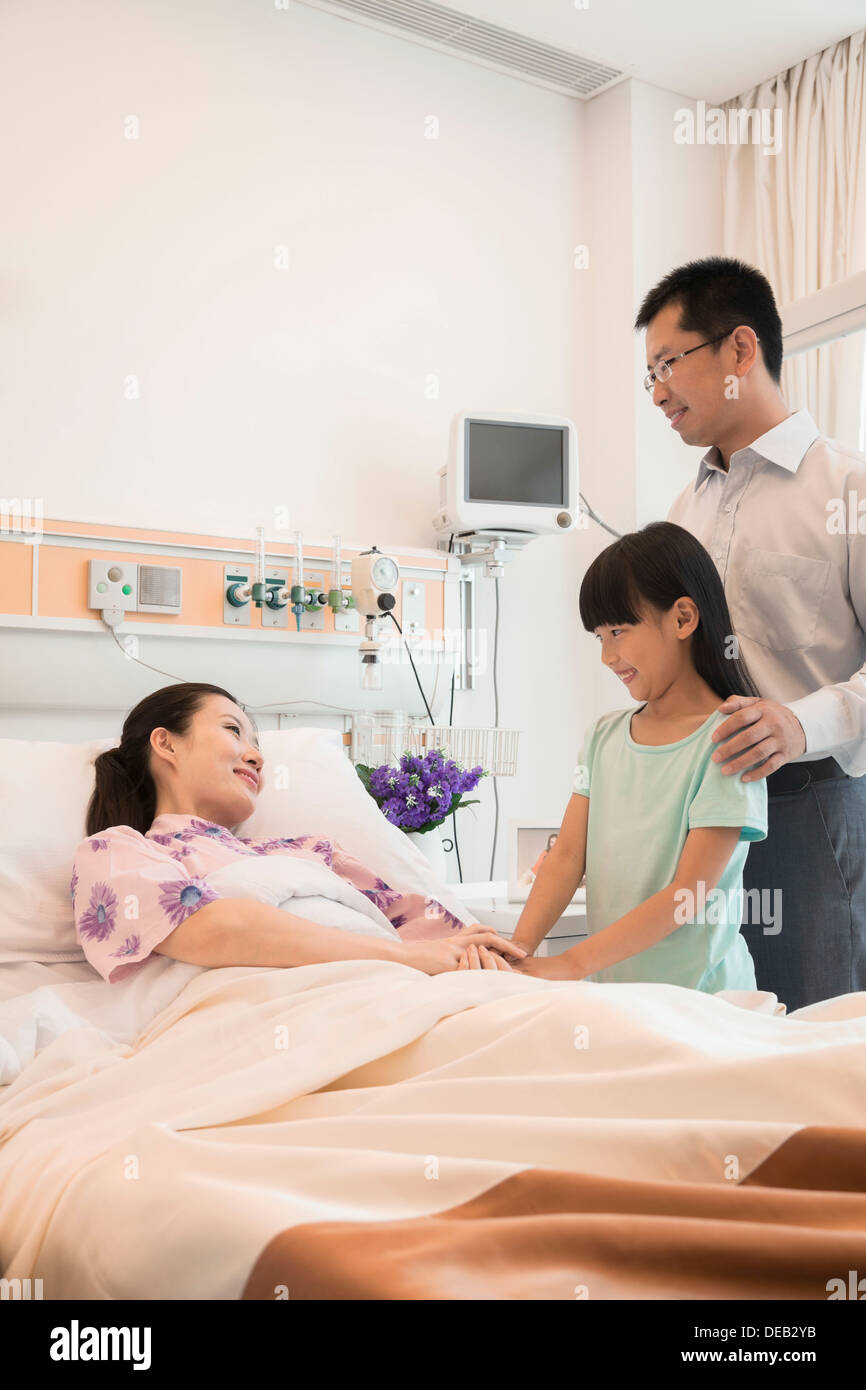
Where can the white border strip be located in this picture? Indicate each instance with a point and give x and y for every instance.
(234, 634)
(832, 313)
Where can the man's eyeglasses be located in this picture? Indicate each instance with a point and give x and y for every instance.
(663, 369)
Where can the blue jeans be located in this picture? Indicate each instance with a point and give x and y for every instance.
(815, 855)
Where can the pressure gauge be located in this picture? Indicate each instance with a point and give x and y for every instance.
(384, 573)
(374, 582)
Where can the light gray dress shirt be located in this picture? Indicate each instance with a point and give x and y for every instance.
(782, 527)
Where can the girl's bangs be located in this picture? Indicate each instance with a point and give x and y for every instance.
(608, 594)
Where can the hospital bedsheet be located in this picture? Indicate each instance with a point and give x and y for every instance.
(39, 1002)
(359, 1129)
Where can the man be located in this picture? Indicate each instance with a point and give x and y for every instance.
(772, 504)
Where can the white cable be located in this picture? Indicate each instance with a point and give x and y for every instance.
(113, 616)
(278, 704)
(587, 509)
(129, 657)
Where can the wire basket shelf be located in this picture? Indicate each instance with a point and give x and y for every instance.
(381, 739)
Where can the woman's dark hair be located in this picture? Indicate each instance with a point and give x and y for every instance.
(657, 565)
(125, 792)
(715, 296)
(552, 836)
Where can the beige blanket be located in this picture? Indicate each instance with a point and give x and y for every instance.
(360, 1129)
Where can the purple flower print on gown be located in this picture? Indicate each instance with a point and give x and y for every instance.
(436, 909)
(179, 900)
(166, 871)
(130, 947)
(382, 896)
(198, 827)
(272, 843)
(97, 922)
(214, 833)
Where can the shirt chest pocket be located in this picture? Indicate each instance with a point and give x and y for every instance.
(780, 599)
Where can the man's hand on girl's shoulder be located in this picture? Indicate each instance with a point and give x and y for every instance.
(762, 732)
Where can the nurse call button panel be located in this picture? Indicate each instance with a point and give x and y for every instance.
(134, 588)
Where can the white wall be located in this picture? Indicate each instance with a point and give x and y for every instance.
(424, 276)
(409, 258)
(677, 193)
(610, 466)
(306, 387)
(653, 204)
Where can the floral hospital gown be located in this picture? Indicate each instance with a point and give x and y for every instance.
(130, 890)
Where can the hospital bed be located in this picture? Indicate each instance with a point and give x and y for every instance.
(359, 1129)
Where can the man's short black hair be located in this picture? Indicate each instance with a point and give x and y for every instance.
(715, 296)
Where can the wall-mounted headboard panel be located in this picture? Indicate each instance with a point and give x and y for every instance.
(63, 675)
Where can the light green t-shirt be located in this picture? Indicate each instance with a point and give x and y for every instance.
(643, 802)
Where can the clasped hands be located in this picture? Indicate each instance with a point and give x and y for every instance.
(478, 956)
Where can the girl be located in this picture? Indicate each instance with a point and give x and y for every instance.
(661, 831)
(188, 767)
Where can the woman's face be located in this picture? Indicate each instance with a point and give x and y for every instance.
(214, 770)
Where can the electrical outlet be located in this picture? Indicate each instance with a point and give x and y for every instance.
(413, 608)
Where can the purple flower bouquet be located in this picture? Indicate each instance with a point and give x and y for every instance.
(421, 792)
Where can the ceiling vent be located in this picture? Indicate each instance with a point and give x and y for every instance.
(474, 39)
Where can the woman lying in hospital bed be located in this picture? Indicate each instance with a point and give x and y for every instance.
(146, 879)
(286, 1125)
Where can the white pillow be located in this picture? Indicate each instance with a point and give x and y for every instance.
(311, 787)
(45, 788)
(44, 791)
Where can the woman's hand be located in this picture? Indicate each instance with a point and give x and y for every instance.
(447, 952)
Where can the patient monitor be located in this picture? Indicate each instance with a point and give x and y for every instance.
(515, 475)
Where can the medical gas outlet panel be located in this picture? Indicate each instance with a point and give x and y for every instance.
(278, 610)
(80, 576)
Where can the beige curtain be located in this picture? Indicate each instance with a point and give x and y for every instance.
(800, 215)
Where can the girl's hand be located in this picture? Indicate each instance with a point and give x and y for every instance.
(550, 967)
(447, 952)
(480, 958)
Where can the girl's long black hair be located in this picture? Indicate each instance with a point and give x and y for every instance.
(125, 792)
(657, 565)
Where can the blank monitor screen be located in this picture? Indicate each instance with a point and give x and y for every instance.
(522, 464)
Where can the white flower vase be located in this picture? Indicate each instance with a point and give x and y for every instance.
(431, 846)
